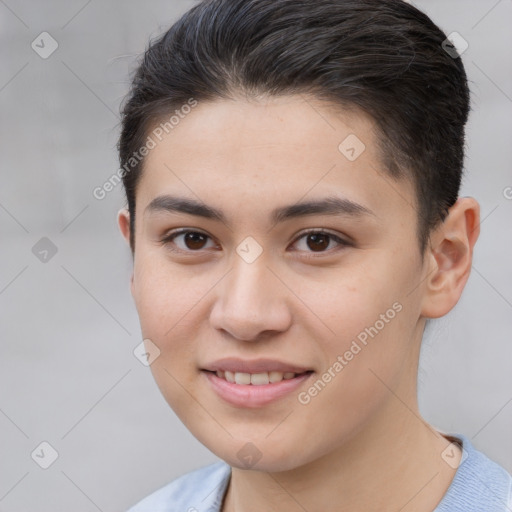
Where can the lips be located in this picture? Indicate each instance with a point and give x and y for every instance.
(254, 396)
(255, 383)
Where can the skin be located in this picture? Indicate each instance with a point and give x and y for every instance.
(360, 443)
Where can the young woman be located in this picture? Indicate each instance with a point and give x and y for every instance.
(292, 173)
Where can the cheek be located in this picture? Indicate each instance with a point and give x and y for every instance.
(372, 318)
(363, 360)
(357, 298)
(167, 303)
(169, 306)
(164, 294)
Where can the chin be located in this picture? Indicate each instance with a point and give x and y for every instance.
(261, 455)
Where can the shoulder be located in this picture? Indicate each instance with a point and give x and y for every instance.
(201, 490)
(479, 483)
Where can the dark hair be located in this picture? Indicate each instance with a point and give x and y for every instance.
(384, 57)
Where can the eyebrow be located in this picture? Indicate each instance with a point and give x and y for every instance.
(331, 205)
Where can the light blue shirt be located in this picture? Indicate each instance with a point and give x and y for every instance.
(479, 485)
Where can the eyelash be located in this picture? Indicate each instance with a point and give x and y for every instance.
(168, 241)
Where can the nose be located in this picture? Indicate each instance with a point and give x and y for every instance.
(251, 302)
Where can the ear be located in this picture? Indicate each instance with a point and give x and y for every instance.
(449, 257)
(123, 220)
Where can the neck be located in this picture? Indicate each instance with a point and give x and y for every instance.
(393, 464)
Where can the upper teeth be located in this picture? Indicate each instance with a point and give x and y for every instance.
(256, 379)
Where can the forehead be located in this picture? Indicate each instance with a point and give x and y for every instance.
(259, 153)
(284, 125)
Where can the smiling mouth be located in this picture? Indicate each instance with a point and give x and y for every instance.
(256, 379)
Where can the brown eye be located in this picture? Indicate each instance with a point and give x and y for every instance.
(320, 241)
(186, 240)
(194, 240)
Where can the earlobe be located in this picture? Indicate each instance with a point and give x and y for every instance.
(450, 257)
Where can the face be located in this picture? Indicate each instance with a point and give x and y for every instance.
(318, 306)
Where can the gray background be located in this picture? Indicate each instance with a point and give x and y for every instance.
(68, 327)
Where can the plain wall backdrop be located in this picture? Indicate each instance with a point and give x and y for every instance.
(68, 375)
